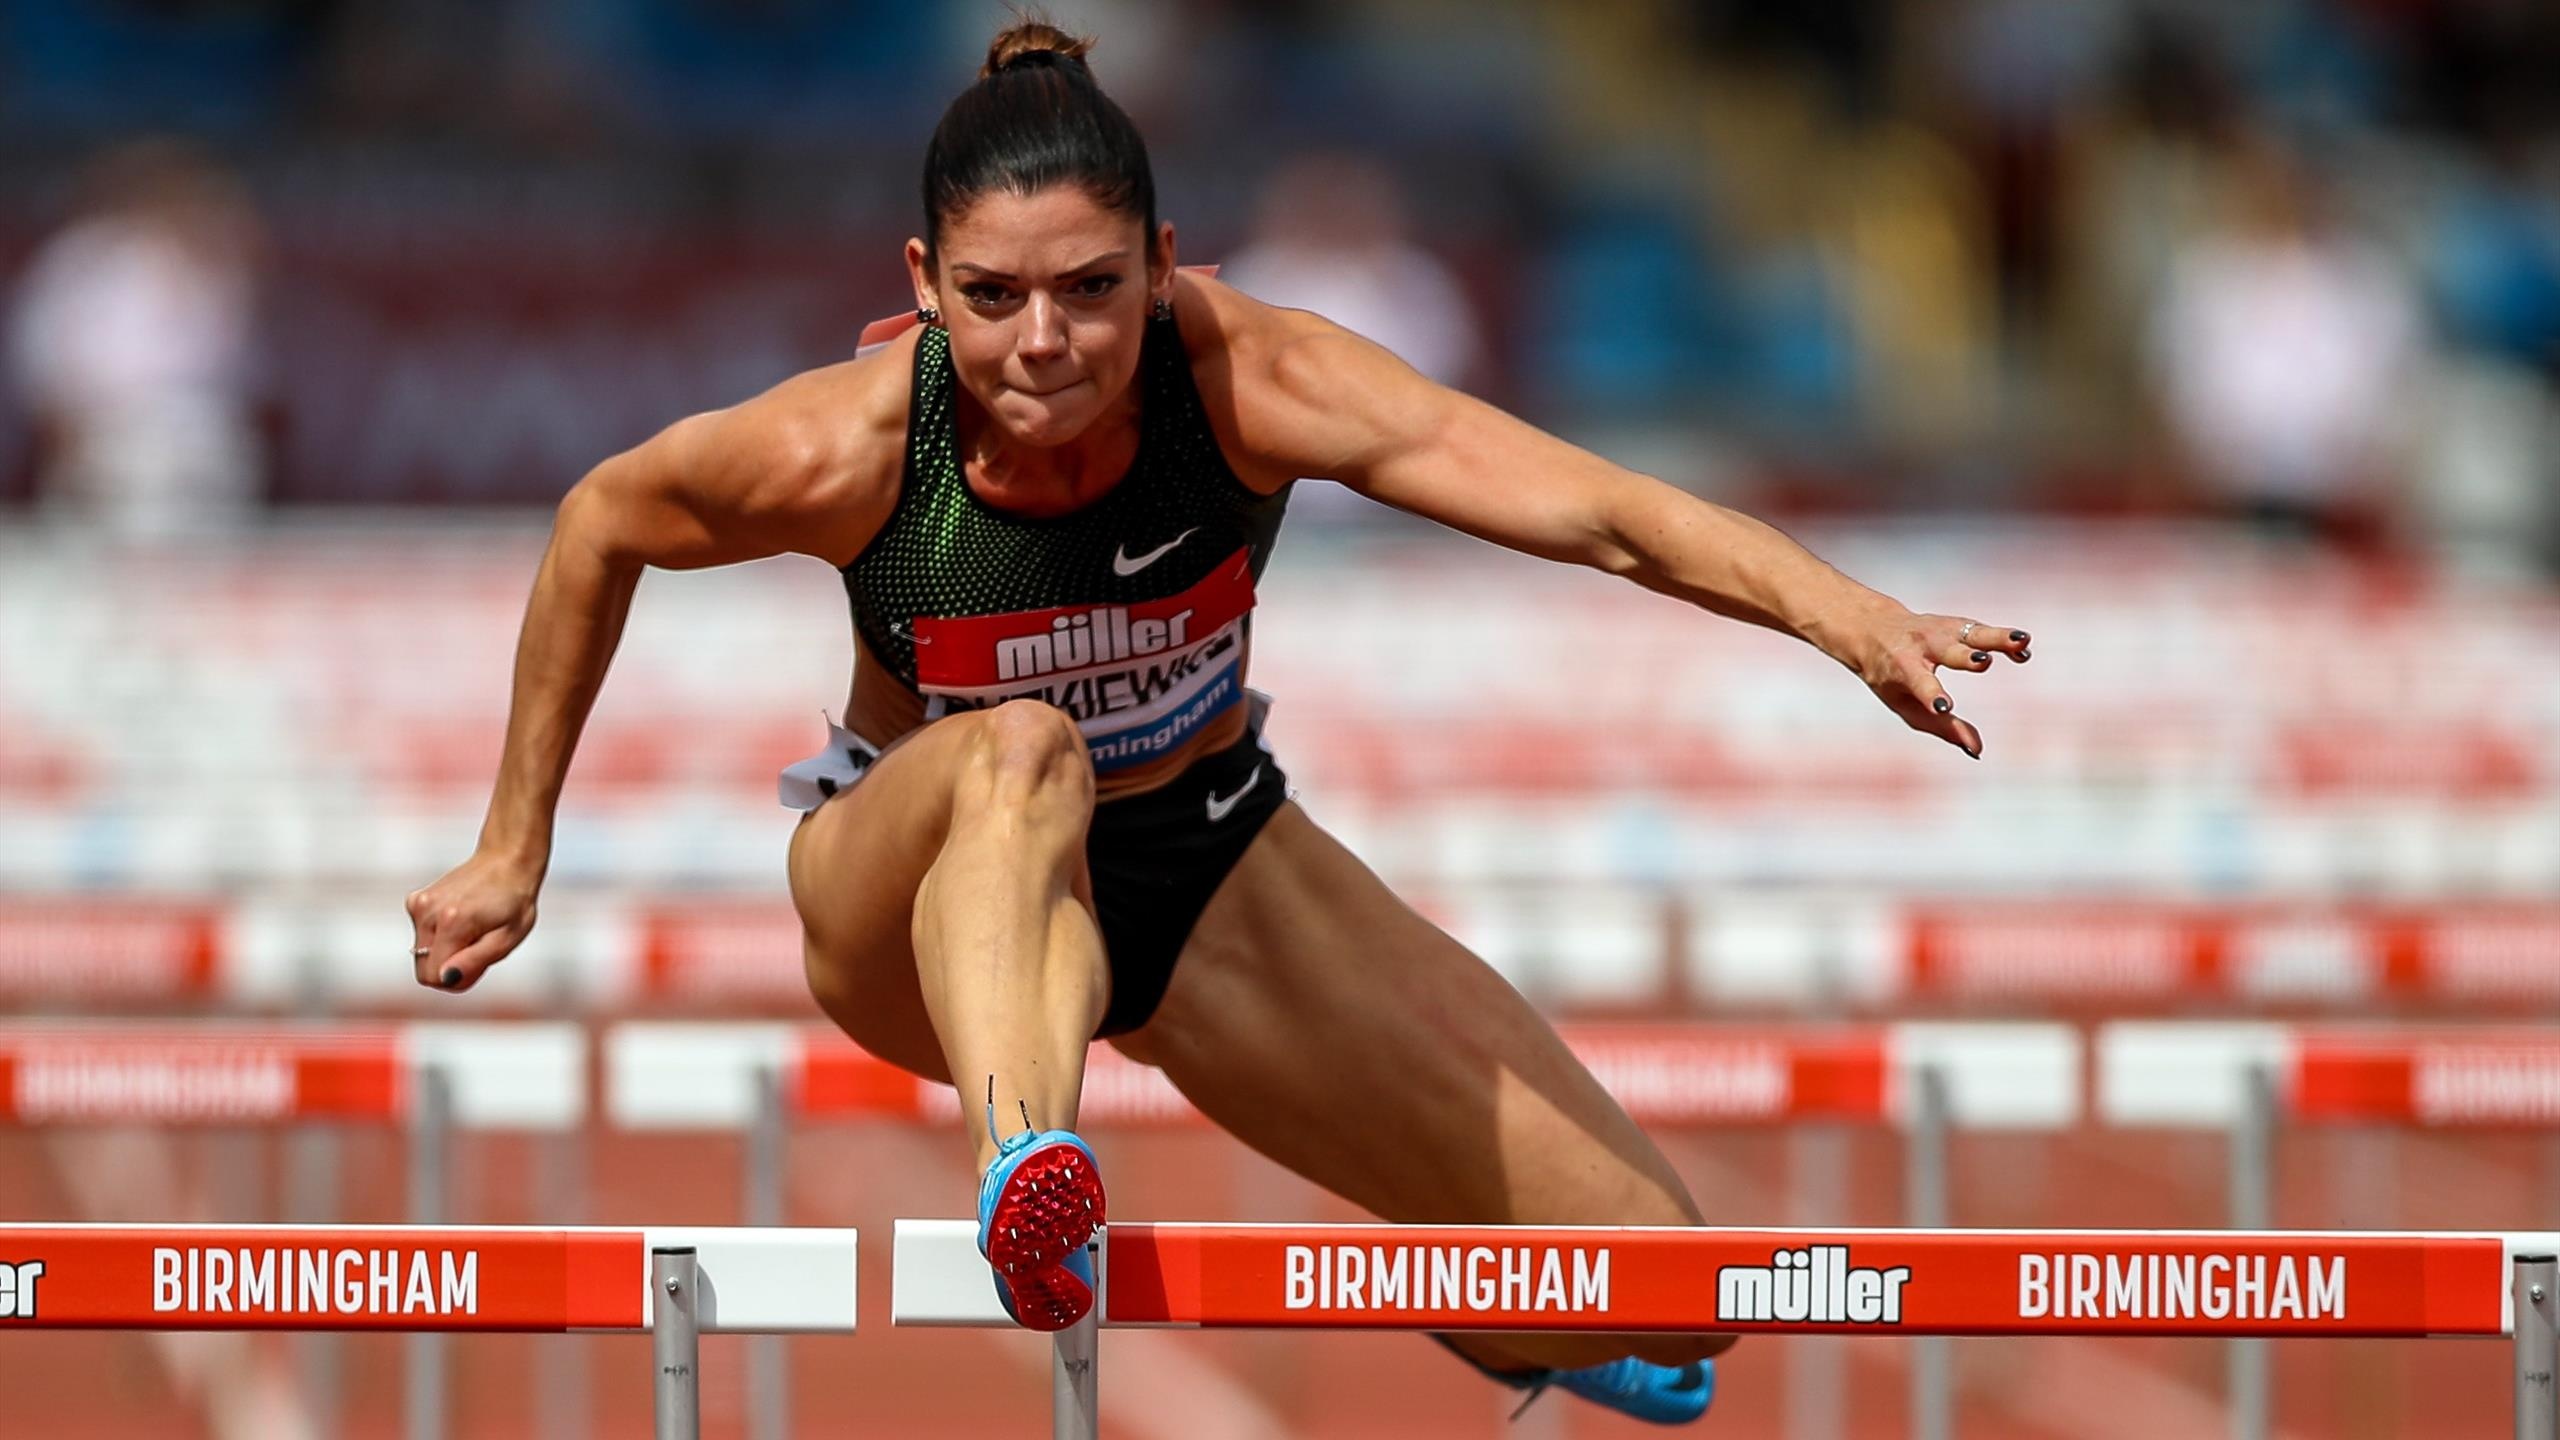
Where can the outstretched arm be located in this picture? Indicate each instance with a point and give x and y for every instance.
(1316, 399)
(764, 478)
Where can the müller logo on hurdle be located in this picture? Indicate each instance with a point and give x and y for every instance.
(1813, 1286)
(18, 1288)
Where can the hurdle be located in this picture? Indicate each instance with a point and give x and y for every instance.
(2252, 1079)
(1789, 1282)
(427, 1080)
(1926, 1080)
(676, 1283)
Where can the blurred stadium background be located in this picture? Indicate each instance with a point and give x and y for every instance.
(2215, 342)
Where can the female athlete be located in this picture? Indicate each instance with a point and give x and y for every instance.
(1049, 815)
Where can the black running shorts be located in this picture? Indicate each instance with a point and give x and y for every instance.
(1158, 856)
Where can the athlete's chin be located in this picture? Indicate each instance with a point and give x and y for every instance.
(1049, 419)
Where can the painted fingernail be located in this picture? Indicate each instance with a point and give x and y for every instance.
(2024, 657)
(452, 976)
(1943, 705)
(1981, 658)
(1973, 754)
(2018, 635)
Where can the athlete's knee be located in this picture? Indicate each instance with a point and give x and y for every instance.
(1027, 753)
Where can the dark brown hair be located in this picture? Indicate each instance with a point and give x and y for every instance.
(1036, 118)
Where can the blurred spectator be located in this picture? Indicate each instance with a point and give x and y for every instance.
(2280, 345)
(1330, 236)
(133, 340)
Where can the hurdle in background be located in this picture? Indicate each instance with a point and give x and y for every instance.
(1928, 1079)
(1903, 1282)
(674, 1283)
(1570, 944)
(429, 1080)
(2249, 1079)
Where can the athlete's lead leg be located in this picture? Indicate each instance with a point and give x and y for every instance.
(950, 929)
(1007, 954)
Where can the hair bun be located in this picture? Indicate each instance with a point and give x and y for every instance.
(1033, 42)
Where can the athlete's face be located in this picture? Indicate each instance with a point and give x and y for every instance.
(1046, 299)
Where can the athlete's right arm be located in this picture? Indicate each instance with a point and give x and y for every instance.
(810, 467)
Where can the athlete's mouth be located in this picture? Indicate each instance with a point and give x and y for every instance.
(1045, 394)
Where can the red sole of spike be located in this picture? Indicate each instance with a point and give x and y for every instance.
(1050, 1207)
(1050, 1300)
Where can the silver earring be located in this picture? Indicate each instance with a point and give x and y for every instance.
(927, 315)
(1163, 309)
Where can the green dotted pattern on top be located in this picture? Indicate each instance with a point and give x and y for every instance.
(947, 553)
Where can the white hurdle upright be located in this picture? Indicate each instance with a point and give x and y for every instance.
(431, 1081)
(2254, 1079)
(1904, 1282)
(677, 1283)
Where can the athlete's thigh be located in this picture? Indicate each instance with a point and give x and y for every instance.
(856, 862)
(1326, 1024)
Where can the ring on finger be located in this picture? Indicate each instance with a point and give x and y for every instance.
(420, 953)
(1965, 635)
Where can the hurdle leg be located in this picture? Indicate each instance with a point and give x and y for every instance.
(429, 1152)
(675, 1341)
(768, 1358)
(2537, 1304)
(1075, 1407)
(1924, 1203)
(2252, 1179)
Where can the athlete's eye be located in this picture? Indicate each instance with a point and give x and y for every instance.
(1094, 287)
(983, 296)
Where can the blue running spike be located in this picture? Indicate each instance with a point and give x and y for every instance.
(1657, 1394)
(1038, 1207)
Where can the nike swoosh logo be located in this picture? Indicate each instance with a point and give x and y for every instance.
(1123, 564)
(1219, 808)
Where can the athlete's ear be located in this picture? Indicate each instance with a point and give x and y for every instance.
(1160, 263)
(920, 271)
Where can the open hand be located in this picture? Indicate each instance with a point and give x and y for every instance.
(1898, 654)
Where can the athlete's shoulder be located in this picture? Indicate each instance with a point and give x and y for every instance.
(1223, 326)
(812, 466)
(851, 414)
(1242, 351)
(830, 444)
(1290, 393)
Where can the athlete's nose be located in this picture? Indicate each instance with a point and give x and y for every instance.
(1044, 329)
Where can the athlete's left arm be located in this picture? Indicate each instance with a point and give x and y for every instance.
(1316, 400)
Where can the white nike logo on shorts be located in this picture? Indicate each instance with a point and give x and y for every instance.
(1219, 809)
(1124, 565)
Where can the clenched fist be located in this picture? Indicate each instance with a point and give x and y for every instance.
(469, 920)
